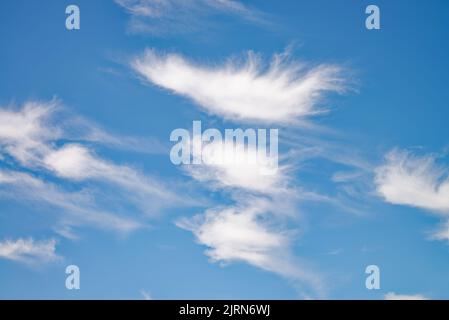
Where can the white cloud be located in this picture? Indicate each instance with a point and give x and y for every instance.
(158, 8)
(36, 138)
(73, 161)
(244, 233)
(29, 250)
(146, 295)
(162, 17)
(78, 208)
(24, 133)
(230, 165)
(283, 93)
(27, 124)
(248, 231)
(412, 180)
(416, 181)
(28, 134)
(442, 233)
(394, 296)
(79, 128)
(76, 162)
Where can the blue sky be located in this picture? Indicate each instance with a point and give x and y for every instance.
(86, 178)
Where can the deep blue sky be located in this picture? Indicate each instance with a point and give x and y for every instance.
(398, 98)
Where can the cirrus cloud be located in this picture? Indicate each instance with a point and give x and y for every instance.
(41, 163)
(412, 180)
(29, 251)
(246, 233)
(282, 93)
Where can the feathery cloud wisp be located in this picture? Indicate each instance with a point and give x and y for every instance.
(145, 295)
(283, 93)
(36, 139)
(76, 162)
(29, 251)
(25, 133)
(243, 233)
(230, 165)
(162, 17)
(395, 296)
(416, 181)
(78, 208)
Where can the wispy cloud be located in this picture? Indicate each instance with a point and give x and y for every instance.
(27, 133)
(413, 180)
(283, 92)
(79, 128)
(395, 296)
(38, 142)
(24, 133)
(146, 295)
(246, 233)
(250, 230)
(416, 181)
(78, 208)
(163, 17)
(231, 165)
(77, 162)
(29, 251)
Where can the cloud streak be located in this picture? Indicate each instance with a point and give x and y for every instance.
(250, 230)
(232, 165)
(78, 208)
(78, 163)
(282, 93)
(395, 296)
(37, 140)
(245, 233)
(416, 181)
(164, 17)
(29, 251)
(24, 134)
